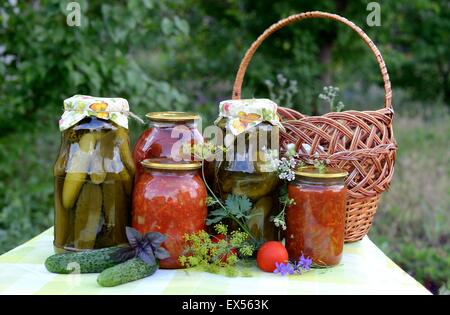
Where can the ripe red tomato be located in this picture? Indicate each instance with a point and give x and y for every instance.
(270, 253)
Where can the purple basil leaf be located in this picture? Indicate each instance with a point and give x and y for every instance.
(133, 236)
(161, 253)
(147, 247)
(123, 254)
(148, 259)
(156, 238)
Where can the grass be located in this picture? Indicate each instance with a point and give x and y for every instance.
(412, 225)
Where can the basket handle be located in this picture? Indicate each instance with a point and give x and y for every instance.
(303, 16)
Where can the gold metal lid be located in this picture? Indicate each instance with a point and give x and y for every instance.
(314, 172)
(172, 116)
(167, 164)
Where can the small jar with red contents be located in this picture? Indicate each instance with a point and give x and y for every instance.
(165, 130)
(316, 221)
(170, 198)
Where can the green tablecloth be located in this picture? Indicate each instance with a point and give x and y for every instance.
(364, 270)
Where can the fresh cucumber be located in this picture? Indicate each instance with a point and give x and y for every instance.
(131, 270)
(93, 261)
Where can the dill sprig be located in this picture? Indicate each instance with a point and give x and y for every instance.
(217, 253)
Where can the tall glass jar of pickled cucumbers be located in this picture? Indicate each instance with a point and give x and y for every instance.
(250, 130)
(93, 174)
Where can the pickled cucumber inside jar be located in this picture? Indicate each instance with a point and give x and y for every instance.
(259, 221)
(253, 186)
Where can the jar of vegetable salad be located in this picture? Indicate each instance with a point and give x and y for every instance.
(250, 131)
(165, 129)
(170, 198)
(316, 220)
(93, 174)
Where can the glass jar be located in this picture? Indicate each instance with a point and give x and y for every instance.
(316, 221)
(247, 167)
(93, 177)
(158, 140)
(170, 198)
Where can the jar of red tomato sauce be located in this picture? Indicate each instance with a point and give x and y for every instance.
(316, 222)
(170, 198)
(165, 130)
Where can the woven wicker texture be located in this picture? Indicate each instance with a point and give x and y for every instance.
(363, 143)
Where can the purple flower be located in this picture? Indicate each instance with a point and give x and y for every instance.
(283, 269)
(297, 267)
(305, 263)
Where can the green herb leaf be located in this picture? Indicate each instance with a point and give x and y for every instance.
(219, 212)
(210, 221)
(236, 206)
(239, 206)
(216, 216)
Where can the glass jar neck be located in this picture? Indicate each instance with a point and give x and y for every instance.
(160, 172)
(191, 124)
(319, 181)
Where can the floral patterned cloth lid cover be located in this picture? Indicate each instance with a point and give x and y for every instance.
(243, 115)
(78, 107)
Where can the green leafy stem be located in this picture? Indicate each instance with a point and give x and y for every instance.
(236, 208)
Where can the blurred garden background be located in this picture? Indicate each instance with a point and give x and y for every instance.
(183, 55)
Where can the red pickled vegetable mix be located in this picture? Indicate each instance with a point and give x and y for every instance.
(316, 220)
(171, 202)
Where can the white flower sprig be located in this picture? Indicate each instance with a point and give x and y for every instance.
(285, 168)
(280, 219)
(328, 95)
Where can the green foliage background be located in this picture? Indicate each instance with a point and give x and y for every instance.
(183, 54)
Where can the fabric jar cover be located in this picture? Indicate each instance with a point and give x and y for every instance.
(245, 114)
(78, 107)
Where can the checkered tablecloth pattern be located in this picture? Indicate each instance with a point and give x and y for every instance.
(364, 270)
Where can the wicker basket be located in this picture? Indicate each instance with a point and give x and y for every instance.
(361, 142)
